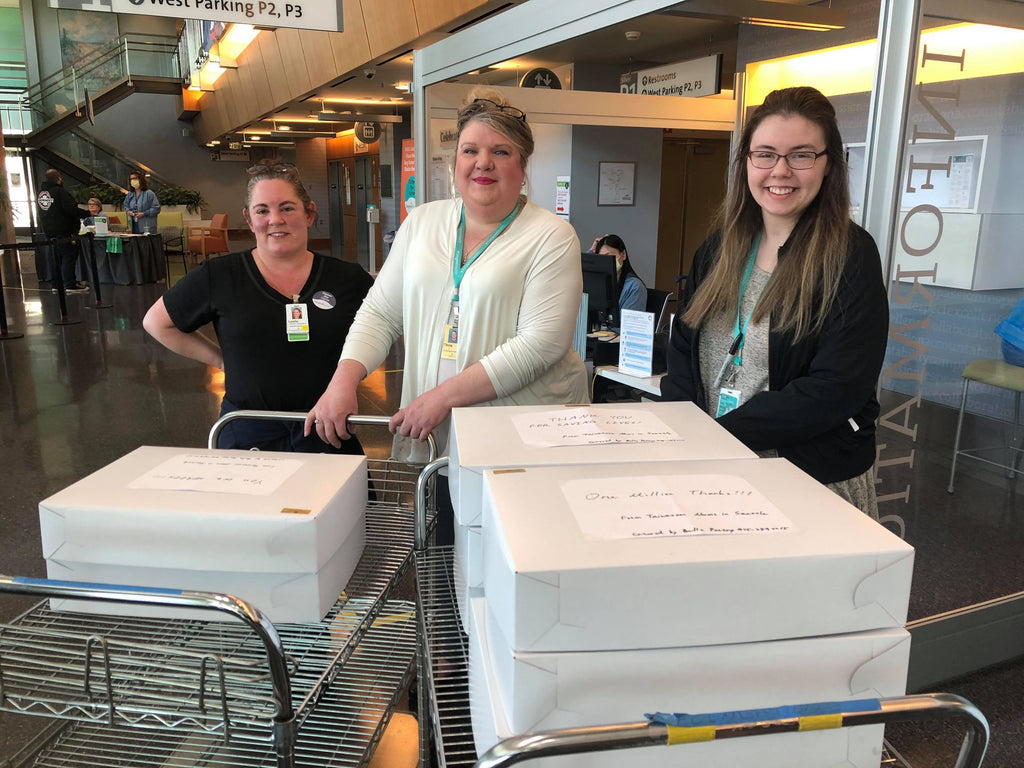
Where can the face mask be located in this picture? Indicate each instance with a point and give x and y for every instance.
(135, 183)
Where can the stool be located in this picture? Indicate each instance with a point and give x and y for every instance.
(995, 373)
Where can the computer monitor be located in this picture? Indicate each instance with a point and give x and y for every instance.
(601, 284)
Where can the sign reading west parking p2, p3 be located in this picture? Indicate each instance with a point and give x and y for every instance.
(303, 14)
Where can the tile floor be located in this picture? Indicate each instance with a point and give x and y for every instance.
(75, 397)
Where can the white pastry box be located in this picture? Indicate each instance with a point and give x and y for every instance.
(512, 436)
(514, 693)
(493, 438)
(283, 531)
(664, 555)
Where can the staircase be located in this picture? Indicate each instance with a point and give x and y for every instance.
(77, 154)
(130, 64)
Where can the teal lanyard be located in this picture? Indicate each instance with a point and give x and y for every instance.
(740, 332)
(458, 268)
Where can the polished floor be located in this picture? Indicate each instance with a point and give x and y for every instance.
(75, 397)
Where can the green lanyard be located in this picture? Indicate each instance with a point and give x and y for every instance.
(458, 268)
(740, 332)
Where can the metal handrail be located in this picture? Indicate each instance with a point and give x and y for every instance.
(566, 741)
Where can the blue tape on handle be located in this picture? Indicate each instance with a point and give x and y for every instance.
(81, 584)
(683, 720)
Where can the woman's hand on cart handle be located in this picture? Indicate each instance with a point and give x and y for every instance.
(328, 417)
(419, 418)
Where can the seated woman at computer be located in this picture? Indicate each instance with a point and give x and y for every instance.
(631, 289)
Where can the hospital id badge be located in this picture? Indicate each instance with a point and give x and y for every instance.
(451, 342)
(728, 400)
(296, 322)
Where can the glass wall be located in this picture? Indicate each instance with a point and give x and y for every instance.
(957, 270)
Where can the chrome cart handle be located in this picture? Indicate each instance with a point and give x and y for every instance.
(182, 598)
(354, 419)
(723, 725)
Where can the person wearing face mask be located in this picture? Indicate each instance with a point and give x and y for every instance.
(630, 288)
(141, 205)
(95, 209)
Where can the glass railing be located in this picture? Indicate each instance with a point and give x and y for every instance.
(14, 117)
(129, 55)
(99, 160)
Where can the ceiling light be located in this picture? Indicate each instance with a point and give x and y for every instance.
(242, 34)
(632, 34)
(806, 26)
(302, 134)
(353, 117)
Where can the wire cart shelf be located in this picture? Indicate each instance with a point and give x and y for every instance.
(442, 666)
(130, 691)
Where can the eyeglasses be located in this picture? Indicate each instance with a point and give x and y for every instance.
(275, 169)
(518, 114)
(798, 161)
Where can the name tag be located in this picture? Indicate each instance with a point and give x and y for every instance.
(451, 342)
(296, 322)
(728, 400)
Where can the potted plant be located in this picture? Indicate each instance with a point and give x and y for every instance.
(191, 199)
(106, 193)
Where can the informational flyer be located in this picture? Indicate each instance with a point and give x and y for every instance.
(218, 473)
(592, 426)
(617, 508)
(562, 189)
(636, 343)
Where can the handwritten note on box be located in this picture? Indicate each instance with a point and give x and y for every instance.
(212, 473)
(589, 426)
(671, 505)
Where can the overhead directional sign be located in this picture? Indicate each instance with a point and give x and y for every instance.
(698, 77)
(301, 14)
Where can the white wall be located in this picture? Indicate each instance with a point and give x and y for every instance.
(636, 224)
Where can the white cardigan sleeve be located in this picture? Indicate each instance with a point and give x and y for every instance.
(551, 294)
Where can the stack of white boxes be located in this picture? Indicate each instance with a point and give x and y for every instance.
(493, 438)
(598, 605)
(282, 531)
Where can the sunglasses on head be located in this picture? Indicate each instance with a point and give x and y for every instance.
(518, 114)
(280, 169)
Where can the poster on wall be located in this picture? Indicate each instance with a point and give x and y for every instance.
(408, 178)
(562, 197)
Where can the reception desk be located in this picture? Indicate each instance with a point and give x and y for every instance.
(128, 259)
(120, 259)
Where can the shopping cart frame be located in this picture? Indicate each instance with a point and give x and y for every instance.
(532, 746)
(355, 619)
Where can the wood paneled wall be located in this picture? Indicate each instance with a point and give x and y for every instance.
(288, 64)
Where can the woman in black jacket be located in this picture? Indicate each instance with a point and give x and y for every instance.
(786, 316)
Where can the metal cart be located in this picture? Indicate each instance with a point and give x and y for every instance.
(442, 666)
(164, 692)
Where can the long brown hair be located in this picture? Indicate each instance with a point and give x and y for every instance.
(803, 286)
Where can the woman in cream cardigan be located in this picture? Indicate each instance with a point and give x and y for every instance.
(485, 290)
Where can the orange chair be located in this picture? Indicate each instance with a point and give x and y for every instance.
(205, 241)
